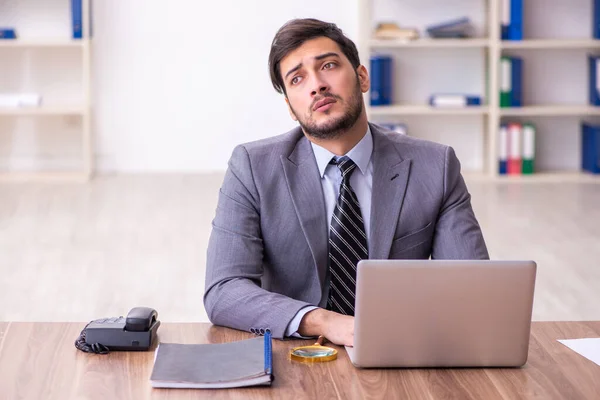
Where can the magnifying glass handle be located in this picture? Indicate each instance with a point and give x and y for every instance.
(320, 340)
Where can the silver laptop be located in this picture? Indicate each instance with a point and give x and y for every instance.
(442, 313)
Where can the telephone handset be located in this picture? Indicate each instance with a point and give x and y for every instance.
(135, 332)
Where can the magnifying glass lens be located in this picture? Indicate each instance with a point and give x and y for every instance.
(313, 351)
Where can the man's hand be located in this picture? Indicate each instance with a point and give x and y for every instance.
(337, 328)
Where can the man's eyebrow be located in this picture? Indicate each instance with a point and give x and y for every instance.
(330, 54)
(296, 68)
(319, 57)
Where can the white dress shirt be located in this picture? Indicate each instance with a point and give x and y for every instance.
(361, 182)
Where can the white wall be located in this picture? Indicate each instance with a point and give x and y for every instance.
(177, 84)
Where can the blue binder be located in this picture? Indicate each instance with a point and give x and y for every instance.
(517, 82)
(77, 18)
(381, 80)
(590, 148)
(596, 19)
(503, 157)
(515, 29)
(8, 33)
(594, 95)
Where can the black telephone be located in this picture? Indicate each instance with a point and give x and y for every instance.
(135, 332)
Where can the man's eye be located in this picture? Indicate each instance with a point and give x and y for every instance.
(329, 65)
(295, 80)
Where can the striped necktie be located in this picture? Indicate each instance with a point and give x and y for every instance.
(347, 243)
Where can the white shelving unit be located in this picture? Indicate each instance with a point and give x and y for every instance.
(57, 108)
(492, 48)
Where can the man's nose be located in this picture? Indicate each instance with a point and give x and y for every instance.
(319, 87)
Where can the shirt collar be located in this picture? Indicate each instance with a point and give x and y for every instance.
(360, 154)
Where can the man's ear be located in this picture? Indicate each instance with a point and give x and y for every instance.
(290, 109)
(363, 78)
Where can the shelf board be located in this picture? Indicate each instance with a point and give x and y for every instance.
(52, 43)
(538, 177)
(66, 176)
(425, 110)
(549, 110)
(44, 110)
(551, 44)
(429, 43)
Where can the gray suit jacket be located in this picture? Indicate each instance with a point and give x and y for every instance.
(268, 251)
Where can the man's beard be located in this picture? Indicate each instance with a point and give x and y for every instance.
(336, 127)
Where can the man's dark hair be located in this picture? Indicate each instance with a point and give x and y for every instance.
(297, 31)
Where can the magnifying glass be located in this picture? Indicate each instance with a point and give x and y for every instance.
(314, 353)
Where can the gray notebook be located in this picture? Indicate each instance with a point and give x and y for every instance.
(209, 366)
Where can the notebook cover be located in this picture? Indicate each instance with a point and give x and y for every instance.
(235, 364)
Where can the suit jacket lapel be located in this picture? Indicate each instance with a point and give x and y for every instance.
(390, 177)
(304, 183)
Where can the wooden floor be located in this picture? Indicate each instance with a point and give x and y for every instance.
(75, 252)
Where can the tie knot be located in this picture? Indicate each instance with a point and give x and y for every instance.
(346, 166)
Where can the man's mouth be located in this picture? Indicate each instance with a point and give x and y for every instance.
(324, 104)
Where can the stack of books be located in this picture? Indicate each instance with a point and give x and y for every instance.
(590, 148)
(511, 86)
(517, 149)
(456, 28)
(512, 20)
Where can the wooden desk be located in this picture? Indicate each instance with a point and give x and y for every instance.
(39, 361)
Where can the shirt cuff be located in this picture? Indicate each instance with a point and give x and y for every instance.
(292, 329)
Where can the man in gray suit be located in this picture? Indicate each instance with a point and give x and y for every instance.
(296, 212)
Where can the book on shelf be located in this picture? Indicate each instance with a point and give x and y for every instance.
(596, 19)
(454, 100)
(214, 366)
(8, 33)
(590, 147)
(594, 79)
(511, 83)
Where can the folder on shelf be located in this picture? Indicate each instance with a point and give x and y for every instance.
(454, 100)
(505, 18)
(505, 81)
(594, 79)
(515, 29)
(516, 79)
(8, 33)
(514, 166)
(77, 18)
(528, 149)
(381, 80)
(502, 149)
(590, 148)
(596, 19)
